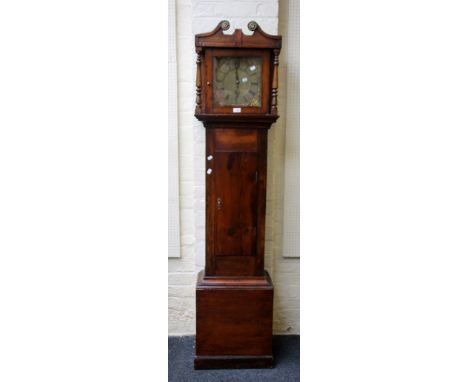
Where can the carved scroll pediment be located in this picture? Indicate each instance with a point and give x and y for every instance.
(218, 39)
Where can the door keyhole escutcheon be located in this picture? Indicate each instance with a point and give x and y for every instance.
(218, 203)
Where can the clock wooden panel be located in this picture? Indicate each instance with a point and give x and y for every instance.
(234, 188)
(248, 332)
(234, 323)
(232, 140)
(236, 85)
(236, 203)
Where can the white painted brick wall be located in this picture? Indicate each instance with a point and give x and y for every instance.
(182, 270)
(198, 16)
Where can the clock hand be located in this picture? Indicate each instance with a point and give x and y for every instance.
(237, 79)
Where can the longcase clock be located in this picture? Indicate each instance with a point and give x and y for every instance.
(236, 85)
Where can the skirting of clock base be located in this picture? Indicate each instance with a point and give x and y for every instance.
(234, 322)
(233, 362)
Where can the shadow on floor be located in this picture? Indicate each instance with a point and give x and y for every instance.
(285, 350)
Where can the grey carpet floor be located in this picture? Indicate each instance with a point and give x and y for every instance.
(285, 350)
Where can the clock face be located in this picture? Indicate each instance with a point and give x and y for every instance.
(237, 81)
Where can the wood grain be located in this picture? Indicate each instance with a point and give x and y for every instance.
(234, 320)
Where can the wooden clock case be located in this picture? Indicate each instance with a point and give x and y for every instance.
(234, 294)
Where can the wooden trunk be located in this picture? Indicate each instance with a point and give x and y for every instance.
(235, 200)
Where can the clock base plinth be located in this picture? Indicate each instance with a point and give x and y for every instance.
(233, 362)
(234, 326)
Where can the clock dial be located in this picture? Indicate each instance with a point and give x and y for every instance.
(237, 81)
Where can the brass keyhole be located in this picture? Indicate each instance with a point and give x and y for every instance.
(218, 203)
